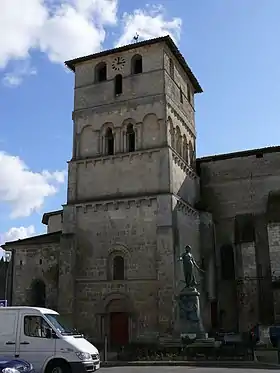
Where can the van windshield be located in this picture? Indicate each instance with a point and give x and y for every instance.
(61, 325)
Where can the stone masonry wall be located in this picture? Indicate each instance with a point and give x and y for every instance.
(140, 172)
(35, 262)
(185, 103)
(55, 223)
(184, 182)
(273, 230)
(127, 228)
(241, 185)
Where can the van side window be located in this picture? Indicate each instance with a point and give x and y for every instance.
(36, 326)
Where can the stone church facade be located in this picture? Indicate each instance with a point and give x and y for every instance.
(137, 195)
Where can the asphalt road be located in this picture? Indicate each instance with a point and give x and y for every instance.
(185, 369)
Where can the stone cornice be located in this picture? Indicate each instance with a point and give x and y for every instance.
(118, 107)
(181, 119)
(185, 207)
(116, 204)
(112, 158)
(183, 164)
(89, 280)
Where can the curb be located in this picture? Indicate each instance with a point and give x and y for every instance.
(214, 364)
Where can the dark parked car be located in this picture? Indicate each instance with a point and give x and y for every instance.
(15, 366)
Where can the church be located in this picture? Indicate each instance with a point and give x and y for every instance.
(137, 195)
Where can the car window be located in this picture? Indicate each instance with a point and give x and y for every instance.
(36, 326)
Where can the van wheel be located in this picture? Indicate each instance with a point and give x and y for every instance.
(58, 366)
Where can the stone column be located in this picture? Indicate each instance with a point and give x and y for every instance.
(165, 265)
(266, 306)
(247, 286)
(72, 181)
(67, 278)
(207, 252)
(273, 232)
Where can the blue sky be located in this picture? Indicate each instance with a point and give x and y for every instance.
(232, 47)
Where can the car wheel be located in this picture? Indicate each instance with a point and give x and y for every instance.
(58, 366)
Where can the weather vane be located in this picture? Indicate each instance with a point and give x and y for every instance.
(136, 37)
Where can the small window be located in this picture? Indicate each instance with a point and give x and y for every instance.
(130, 136)
(136, 64)
(181, 95)
(118, 84)
(109, 139)
(118, 268)
(189, 93)
(101, 72)
(36, 327)
(40, 261)
(171, 68)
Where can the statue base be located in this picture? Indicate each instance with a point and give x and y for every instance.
(189, 323)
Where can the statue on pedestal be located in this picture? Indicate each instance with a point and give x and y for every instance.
(189, 265)
(188, 298)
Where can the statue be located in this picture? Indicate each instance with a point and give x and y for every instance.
(188, 266)
(189, 320)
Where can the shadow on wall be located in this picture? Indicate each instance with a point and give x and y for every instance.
(38, 293)
(190, 228)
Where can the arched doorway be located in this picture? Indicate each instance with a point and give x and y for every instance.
(38, 293)
(118, 311)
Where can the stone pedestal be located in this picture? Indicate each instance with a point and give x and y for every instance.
(189, 323)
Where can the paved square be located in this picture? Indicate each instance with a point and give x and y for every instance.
(184, 369)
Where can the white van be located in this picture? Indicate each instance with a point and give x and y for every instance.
(39, 336)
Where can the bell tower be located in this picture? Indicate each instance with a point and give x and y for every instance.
(132, 185)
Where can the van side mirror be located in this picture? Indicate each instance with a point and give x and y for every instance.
(50, 334)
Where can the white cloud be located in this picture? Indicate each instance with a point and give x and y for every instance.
(149, 23)
(65, 29)
(69, 34)
(19, 26)
(17, 233)
(21, 70)
(24, 190)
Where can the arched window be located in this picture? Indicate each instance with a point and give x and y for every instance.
(227, 262)
(171, 68)
(185, 149)
(181, 96)
(178, 144)
(109, 141)
(38, 293)
(130, 138)
(101, 72)
(118, 268)
(191, 154)
(118, 84)
(136, 64)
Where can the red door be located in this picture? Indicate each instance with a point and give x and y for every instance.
(119, 328)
